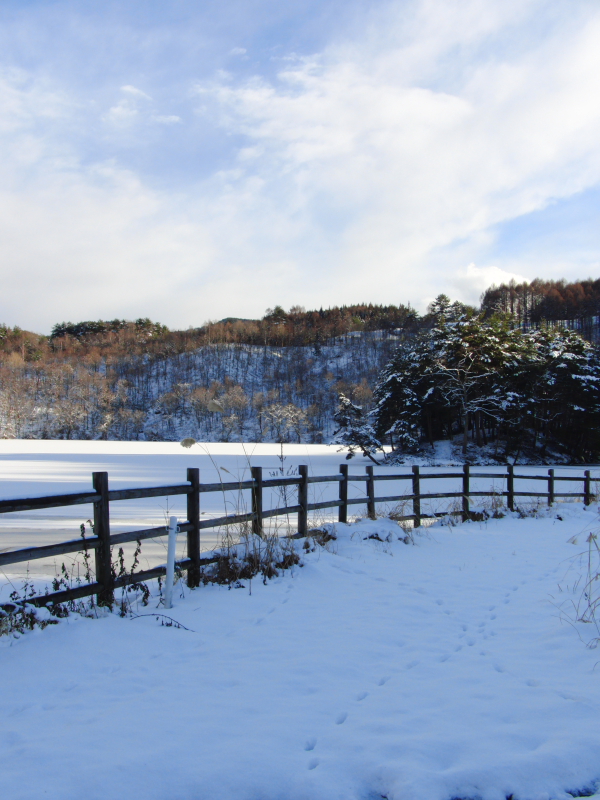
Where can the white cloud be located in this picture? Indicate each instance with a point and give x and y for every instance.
(133, 90)
(471, 281)
(166, 119)
(123, 113)
(238, 51)
(373, 171)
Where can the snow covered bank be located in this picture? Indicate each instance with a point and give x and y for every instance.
(442, 670)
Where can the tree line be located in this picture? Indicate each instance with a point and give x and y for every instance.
(544, 300)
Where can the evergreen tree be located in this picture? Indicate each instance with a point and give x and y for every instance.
(353, 430)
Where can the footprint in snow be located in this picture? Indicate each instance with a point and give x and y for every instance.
(383, 681)
(341, 718)
(532, 682)
(499, 668)
(493, 616)
(313, 763)
(443, 658)
(491, 608)
(465, 627)
(470, 642)
(440, 602)
(420, 591)
(311, 743)
(458, 648)
(410, 665)
(361, 696)
(481, 625)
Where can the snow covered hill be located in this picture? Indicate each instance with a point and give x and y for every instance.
(262, 393)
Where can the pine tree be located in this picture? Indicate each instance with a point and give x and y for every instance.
(354, 430)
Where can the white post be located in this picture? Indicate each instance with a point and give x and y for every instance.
(171, 562)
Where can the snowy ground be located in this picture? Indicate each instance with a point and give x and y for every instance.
(447, 669)
(454, 668)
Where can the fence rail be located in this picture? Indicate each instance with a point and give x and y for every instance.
(103, 541)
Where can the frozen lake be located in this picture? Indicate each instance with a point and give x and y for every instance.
(30, 468)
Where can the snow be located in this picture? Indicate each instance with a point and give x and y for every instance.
(448, 668)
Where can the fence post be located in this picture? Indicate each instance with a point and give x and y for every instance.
(303, 500)
(171, 547)
(193, 536)
(510, 487)
(550, 486)
(416, 488)
(343, 509)
(370, 494)
(257, 501)
(465, 493)
(587, 488)
(102, 531)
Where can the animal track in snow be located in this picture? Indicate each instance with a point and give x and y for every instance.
(313, 763)
(341, 718)
(361, 696)
(311, 743)
(383, 681)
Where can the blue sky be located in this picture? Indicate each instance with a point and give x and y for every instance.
(194, 160)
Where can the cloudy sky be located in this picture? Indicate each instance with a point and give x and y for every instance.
(193, 159)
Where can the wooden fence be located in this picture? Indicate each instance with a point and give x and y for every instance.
(103, 541)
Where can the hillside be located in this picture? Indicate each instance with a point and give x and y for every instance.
(273, 379)
(215, 392)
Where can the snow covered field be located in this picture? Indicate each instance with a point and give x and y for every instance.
(451, 668)
(447, 669)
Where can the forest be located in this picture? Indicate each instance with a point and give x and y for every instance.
(283, 377)
(499, 389)
(576, 305)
